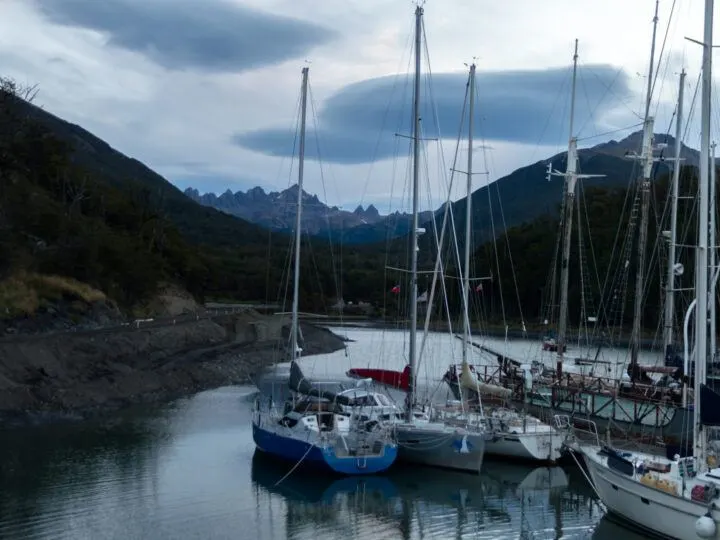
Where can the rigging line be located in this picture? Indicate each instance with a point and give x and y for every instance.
(660, 56)
(277, 177)
(591, 115)
(391, 232)
(613, 283)
(282, 295)
(386, 113)
(610, 282)
(497, 256)
(433, 102)
(310, 447)
(609, 89)
(441, 156)
(512, 264)
(507, 238)
(611, 132)
(442, 281)
(591, 111)
(592, 246)
(495, 237)
(447, 211)
(333, 263)
(561, 92)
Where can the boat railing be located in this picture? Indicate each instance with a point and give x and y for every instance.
(578, 428)
(609, 386)
(518, 423)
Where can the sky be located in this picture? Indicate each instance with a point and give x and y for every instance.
(206, 92)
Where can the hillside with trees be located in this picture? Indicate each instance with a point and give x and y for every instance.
(79, 221)
(81, 224)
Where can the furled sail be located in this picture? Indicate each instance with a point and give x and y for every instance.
(300, 384)
(470, 382)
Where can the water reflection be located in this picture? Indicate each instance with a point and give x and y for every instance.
(506, 502)
(608, 529)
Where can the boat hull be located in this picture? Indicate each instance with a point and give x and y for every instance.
(442, 448)
(320, 456)
(663, 514)
(538, 447)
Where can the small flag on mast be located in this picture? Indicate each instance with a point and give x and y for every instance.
(395, 289)
(479, 288)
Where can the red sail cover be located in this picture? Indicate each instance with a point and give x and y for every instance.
(388, 377)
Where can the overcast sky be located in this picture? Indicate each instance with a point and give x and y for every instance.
(206, 91)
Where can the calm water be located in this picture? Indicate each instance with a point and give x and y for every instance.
(188, 471)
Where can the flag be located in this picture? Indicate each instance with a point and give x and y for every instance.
(395, 289)
(478, 288)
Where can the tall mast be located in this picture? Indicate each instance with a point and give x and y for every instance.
(670, 281)
(647, 159)
(648, 98)
(468, 218)
(298, 216)
(701, 264)
(414, 234)
(570, 181)
(712, 254)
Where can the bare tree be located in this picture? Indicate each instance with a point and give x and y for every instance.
(11, 88)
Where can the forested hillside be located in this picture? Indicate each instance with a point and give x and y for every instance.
(80, 221)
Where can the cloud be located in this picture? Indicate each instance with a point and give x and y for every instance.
(523, 106)
(210, 35)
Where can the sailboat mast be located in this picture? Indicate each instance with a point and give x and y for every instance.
(670, 281)
(712, 255)
(298, 217)
(415, 203)
(647, 159)
(701, 261)
(570, 181)
(468, 217)
(648, 98)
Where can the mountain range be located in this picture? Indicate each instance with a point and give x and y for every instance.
(276, 210)
(521, 196)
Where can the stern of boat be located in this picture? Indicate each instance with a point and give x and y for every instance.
(358, 463)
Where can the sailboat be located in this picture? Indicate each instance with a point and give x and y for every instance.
(675, 498)
(517, 435)
(423, 439)
(318, 432)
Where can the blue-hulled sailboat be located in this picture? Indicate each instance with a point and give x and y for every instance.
(317, 431)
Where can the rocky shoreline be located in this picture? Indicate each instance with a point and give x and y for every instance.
(66, 376)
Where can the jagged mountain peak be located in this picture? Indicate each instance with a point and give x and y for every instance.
(277, 209)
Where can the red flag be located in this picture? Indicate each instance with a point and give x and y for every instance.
(478, 288)
(395, 289)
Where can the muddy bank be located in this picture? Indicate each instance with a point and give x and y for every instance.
(69, 375)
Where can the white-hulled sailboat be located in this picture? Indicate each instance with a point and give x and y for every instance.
(513, 434)
(422, 439)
